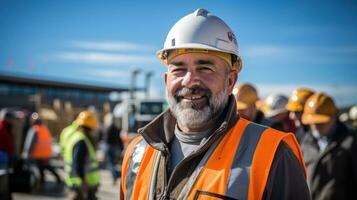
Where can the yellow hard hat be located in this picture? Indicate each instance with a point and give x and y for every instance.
(298, 98)
(246, 95)
(319, 109)
(87, 119)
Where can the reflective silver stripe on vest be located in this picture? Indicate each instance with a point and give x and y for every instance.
(238, 180)
(151, 193)
(134, 165)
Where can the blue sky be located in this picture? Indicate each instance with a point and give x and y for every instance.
(284, 44)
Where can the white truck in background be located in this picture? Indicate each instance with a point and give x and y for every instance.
(135, 113)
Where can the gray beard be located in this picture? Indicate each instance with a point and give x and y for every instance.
(196, 118)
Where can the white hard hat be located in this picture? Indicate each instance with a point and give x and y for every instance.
(275, 104)
(201, 30)
(353, 113)
(343, 117)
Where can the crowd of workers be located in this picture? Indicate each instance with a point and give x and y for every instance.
(78, 143)
(327, 144)
(215, 139)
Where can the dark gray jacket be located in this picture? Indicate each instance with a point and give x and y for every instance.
(332, 174)
(286, 179)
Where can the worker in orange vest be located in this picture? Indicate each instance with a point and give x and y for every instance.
(38, 147)
(201, 148)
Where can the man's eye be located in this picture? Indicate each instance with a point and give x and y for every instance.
(178, 70)
(205, 69)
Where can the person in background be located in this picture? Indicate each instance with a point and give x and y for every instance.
(353, 117)
(81, 166)
(295, 107)
(7, 143)
(5, 192)
(246, 98)
(113, 147)
(274, 108)
(330, 151)
(7, 152)
(66, 134)
(38, 147)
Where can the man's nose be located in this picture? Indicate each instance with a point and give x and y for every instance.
(191, 79)
(292, 115)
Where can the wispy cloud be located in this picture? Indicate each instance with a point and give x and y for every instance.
(107, 73)
(264, 50)
(106, 58)
(300, 54)
(111, 46)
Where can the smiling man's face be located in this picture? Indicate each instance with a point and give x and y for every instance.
(197, 89)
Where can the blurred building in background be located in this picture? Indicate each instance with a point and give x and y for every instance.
(56, 102)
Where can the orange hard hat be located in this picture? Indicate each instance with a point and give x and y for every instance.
(87, 119)
(319, 109)
(246, 95)
(297, 99)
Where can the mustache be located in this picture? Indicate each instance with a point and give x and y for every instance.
(190, 91)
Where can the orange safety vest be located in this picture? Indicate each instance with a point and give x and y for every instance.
(237, 166)
(43, 146)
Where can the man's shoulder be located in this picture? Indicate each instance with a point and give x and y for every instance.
(345, 133)
(136, 140)
(76, 137)
(272, 130)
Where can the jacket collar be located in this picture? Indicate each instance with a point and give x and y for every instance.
(160, 131)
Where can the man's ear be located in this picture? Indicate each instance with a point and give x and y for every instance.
(232, 79)
(165, 78)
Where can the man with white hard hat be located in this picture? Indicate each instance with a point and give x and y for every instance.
(274, 108)
(200, 148)
(353, 116)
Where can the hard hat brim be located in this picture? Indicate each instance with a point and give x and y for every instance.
(81, 122)
(294, 107)
(195, 46)
(241, 105)
(315, 119)
(275, 112)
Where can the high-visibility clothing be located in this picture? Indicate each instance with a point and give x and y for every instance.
(42, 148)
(235, 167)
(65, 135)
(92, 175)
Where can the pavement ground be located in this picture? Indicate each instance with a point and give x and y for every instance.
(52, 191)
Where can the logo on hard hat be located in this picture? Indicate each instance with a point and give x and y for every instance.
(232, 37)
(173, 42)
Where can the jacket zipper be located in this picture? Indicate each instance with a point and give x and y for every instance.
(216, 135)
(166, 154)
